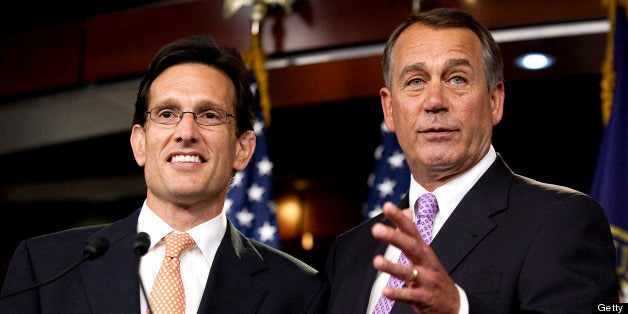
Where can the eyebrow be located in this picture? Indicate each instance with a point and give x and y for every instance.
(415, 67)
(458, 62)
(420, 66)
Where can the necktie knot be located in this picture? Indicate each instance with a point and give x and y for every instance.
(177, 243)
(427, 208)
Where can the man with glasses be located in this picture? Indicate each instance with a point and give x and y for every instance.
(192, 131)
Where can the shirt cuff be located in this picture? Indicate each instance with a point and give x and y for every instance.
(464, 302)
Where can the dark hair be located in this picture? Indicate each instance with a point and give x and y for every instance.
(450, 18)
(205, 50)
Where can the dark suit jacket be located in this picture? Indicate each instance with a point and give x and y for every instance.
(246, 276)
(513, 245)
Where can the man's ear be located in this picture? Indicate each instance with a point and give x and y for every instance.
(497, 102)
(386, 100)
(244, 150)
(138, 136)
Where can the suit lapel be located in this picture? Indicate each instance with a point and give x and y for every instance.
(363, 280)
(230, 286)
(111, 281)
(471, 221)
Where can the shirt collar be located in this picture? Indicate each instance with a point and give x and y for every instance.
(207, 235)
(451, 193)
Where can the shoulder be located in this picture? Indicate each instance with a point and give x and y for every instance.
(282, 260)
(360, 233)
(257, 255)
(537, 191)
(54, 251)
(526, 190)
(281, 273)
(557, 207)
(70, 238)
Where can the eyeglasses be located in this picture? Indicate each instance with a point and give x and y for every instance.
(205, 116)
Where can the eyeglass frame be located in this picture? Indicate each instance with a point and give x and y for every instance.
(224, 119)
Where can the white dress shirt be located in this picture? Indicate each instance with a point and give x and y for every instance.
(195, 262)
(448, 196)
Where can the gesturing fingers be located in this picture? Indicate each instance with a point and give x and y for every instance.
(405, 236)
(427, 283)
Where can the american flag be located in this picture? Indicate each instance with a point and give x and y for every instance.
(390, 180)
(250, 204)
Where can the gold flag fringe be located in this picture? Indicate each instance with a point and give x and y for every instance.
(256, 61)
(607, 83)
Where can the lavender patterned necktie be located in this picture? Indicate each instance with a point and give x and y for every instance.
(426, 208)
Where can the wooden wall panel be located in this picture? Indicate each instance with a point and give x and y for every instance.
(325, 24)
(40, 60)
(326, 82)
(506, 14)
(123, 43)
(119, 45)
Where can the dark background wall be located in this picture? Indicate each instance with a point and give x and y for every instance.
(325, 117)
(550, 131)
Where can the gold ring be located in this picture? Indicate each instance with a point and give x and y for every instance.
(415, 276)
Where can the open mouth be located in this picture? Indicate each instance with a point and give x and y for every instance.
(186, 158)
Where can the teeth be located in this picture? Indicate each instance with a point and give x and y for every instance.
(185, 158)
